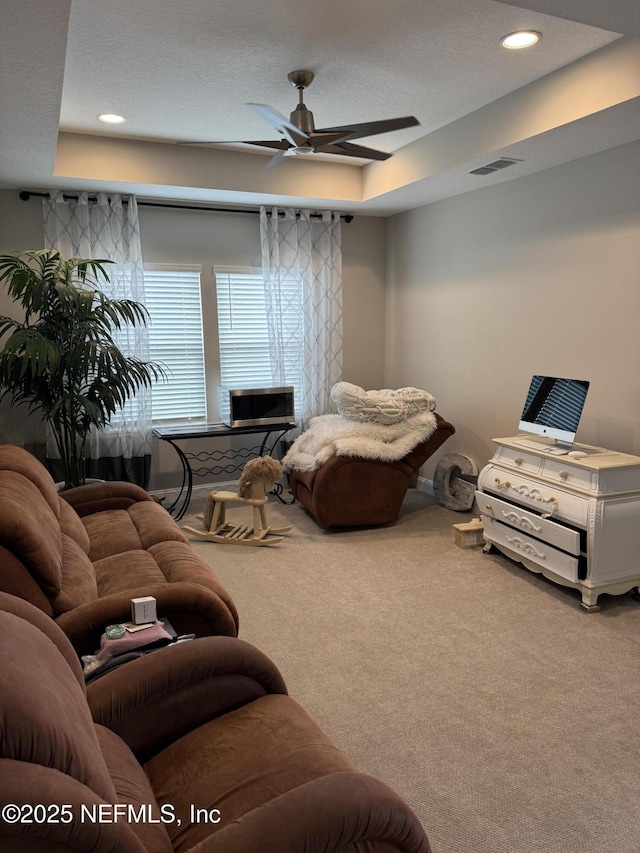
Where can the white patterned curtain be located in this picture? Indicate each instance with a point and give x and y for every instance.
(302, 268)
(106, 228)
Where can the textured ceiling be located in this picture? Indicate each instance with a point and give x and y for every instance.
(185, 70)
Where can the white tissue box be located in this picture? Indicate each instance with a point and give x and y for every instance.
(143, 610)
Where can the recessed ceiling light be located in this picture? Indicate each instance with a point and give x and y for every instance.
(522, 38)
(111, 118)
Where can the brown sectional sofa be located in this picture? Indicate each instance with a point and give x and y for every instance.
(80, 555)
(118, 765)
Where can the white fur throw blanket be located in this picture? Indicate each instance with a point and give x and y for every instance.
(335, 435)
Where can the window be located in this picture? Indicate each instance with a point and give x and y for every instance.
(245, 359)
(172, 296)
(173, 299)
(242, 328)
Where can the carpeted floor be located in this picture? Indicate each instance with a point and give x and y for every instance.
(505, 715)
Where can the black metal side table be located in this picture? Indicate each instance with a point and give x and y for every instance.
(182, 432)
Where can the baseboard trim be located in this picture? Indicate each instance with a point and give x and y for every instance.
(424, 485)
(227, 485)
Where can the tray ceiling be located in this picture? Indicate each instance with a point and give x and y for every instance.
(186, 70)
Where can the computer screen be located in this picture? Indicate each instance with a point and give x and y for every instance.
(553, 407)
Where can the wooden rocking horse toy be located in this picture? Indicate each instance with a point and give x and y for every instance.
(258, 477)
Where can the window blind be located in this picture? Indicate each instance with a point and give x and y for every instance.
(242, 328)
(173, 299)
(244, 333)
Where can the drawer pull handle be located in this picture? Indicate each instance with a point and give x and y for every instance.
(563, 475)
(518, 460)
(535, 495)
(490, 508)
(526, 547)
(521, 521)
(532, 494)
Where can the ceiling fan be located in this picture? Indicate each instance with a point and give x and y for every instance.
(301, 137)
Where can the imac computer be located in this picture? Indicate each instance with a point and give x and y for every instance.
(553, 408)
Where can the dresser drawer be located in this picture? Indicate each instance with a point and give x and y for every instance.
(542, 496)
(529, 463)
(526, 548)
(562, 471)
(528, 522)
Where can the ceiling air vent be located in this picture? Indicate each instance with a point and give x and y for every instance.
(502, 163)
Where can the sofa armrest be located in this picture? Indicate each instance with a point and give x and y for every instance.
(62, 796)
(97, 497)
(189, 607)
(408, 465)
(156, 699)
(30, 613)
(332, 813)
(419, 455)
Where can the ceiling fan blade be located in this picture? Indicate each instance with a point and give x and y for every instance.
(281, 123)
(281, 144)
(349, 150)
(276, 160)
(372, 128)
(319, 140)
(266, 143)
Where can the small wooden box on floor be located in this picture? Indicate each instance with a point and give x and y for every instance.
(469, 534)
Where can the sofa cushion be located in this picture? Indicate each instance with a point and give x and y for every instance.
(79, 584)
(166, 562)
(57, 733)
(71, 524)
(133, 788)
(13, 458)
(137, 527)
(16, 580)
(179, 562)
(141, 570)
(29, 529)
(240, 761)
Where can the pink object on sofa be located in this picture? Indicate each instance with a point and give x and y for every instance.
(119, 645)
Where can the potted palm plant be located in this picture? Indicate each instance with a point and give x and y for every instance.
(63, 360)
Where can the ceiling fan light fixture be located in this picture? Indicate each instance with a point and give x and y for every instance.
(111, 118)
(298, 149)
(520, 39)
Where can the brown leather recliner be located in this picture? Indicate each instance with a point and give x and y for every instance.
(82, 554)
(195, 747)
(348, 491)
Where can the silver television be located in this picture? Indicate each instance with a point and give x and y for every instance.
(553, 408)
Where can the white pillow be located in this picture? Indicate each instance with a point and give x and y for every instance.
(382, 407)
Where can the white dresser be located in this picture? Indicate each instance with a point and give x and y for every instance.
(576, 521)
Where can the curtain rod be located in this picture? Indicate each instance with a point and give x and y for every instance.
(25, 195)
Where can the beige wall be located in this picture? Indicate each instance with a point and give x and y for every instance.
(198, 237)
(538, 275)
(20, 230)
